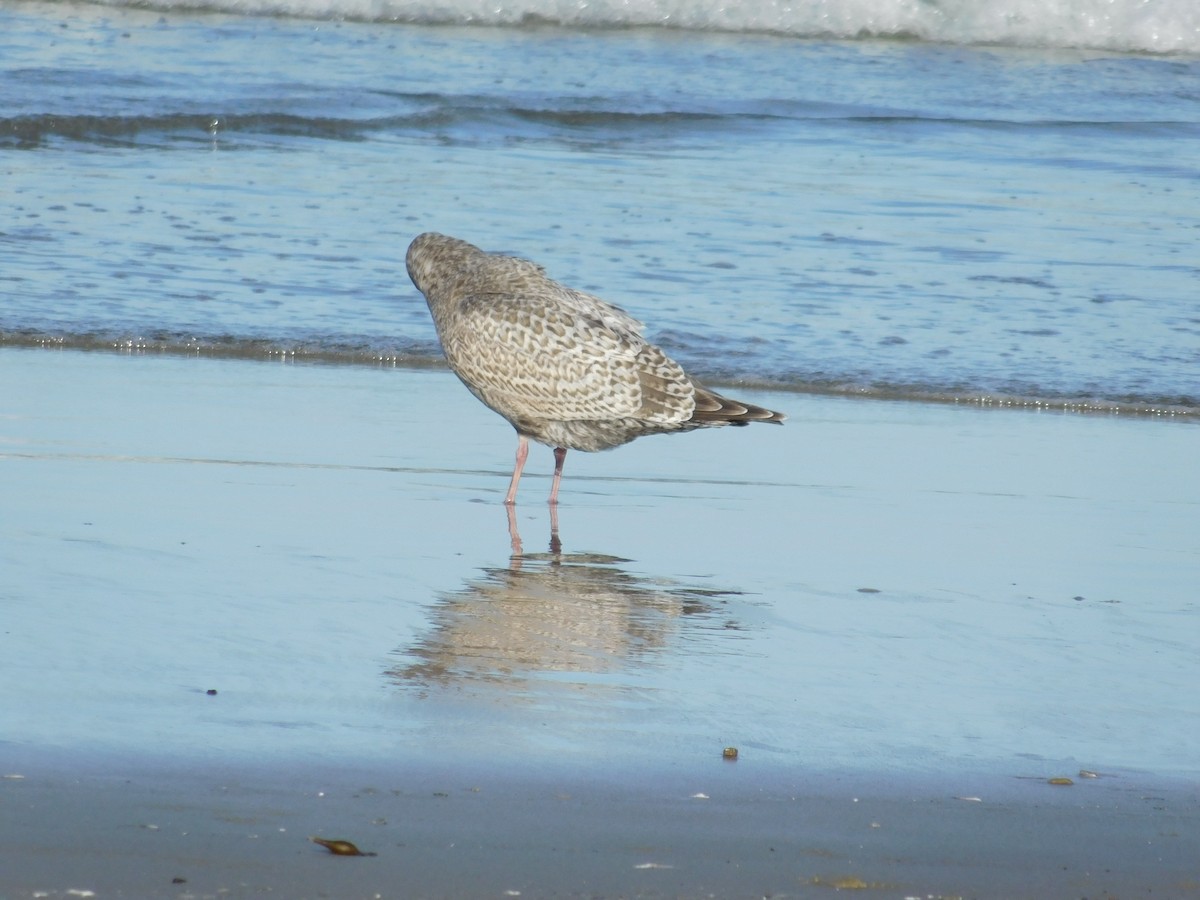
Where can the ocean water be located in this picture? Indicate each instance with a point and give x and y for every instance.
(986, 201)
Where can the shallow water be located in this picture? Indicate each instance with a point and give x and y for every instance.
(916, 219)
(873, 587)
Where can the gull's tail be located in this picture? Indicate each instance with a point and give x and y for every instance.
(712, 408)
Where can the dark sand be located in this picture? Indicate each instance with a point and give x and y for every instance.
(907, 618)
(475, 831)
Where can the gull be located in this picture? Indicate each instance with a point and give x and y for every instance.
(566, 369)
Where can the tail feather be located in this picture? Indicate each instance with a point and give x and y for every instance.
(712, 408)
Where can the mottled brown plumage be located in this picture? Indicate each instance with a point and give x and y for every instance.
(565, 368)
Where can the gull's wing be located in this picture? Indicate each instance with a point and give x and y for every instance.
(562, 355)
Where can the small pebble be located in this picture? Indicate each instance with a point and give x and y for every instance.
(339, 848)
(730, 753)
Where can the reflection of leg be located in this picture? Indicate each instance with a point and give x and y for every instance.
(522, 454)
(555, 543)
(560, 453)
(513, 534)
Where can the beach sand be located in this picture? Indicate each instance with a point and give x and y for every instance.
(245, 603)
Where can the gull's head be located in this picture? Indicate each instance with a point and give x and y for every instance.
(437, 261)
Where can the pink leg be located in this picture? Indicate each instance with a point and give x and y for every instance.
(560, 453)
(555, 540)
(522, 454)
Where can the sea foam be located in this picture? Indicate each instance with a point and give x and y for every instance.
(1152, 26)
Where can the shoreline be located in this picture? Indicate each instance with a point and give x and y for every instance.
(255, 350)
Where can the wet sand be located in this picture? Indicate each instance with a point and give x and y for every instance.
(907, 618)
(243, 831)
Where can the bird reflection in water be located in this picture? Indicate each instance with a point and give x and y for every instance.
(514, 535)
(548, 615)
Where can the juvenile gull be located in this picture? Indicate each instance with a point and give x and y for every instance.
(565, 368)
